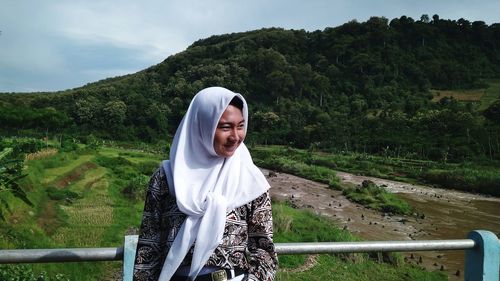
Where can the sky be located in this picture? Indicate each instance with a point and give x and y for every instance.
(52, 45)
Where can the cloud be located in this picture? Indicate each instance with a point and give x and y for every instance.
(59, 44)
(68, 44)
(137, 25)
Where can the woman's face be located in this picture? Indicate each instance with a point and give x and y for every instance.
(230, 132)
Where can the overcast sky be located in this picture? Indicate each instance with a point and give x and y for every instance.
(60, 44)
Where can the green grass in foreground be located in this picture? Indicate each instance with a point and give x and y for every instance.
(293, 225)
(80, 202)
(97, 213)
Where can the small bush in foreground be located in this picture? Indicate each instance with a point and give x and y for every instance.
(25, 273)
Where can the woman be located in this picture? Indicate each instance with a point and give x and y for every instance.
(208, 212)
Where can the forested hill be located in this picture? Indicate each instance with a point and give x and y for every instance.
(357, 87)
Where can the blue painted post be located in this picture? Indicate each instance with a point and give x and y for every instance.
(483, 262)
(129, 256)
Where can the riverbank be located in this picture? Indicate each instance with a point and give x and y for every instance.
(444, 214)
(474, 177)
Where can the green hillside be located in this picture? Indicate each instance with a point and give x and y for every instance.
(358, 87)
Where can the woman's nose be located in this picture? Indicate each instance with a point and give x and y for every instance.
(234, 136)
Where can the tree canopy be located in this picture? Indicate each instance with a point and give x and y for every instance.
(361, 86)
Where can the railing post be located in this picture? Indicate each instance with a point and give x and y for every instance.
(129, 256)
(482, 263)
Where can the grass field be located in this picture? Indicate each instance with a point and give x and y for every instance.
(80, 202)
(491, 94)
(460, 95)
(485, 96)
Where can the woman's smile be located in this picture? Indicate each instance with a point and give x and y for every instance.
(230, 132)
(232, 146)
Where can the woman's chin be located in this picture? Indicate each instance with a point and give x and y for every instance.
(228, 151)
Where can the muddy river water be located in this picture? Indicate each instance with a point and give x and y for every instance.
(447, 214)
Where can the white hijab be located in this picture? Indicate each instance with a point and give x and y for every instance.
(206, 185)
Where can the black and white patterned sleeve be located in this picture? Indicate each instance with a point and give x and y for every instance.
(262, 254)
(150, 254)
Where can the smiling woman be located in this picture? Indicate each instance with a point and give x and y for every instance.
(207, 213)
(230, 131)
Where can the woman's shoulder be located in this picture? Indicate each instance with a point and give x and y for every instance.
(263, 197)
(158, 176)
(262, 200)
(158, 182)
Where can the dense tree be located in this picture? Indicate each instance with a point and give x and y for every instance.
(493, 112)
(363, 86)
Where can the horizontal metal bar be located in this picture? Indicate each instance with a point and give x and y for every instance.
(61, 255)
(114, 254)
(373, 246)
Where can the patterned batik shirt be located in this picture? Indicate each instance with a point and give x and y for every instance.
(247, 242)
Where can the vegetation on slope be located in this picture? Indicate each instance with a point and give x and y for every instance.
(81, 198)
(359, 87)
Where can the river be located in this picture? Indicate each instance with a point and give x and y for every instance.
(447, 214)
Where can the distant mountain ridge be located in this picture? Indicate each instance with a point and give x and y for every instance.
(356, 87)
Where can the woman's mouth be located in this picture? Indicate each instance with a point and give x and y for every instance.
(231, 147)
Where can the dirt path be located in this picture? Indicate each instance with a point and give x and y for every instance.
(48, 218)
(74, 175)
(436, 204)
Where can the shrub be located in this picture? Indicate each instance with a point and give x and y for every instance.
(148, 168)
(479, 179)
(69, 144)
(136, 187)
(372, 196)
(22, 145)
(335, 184)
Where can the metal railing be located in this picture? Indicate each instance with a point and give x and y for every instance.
(482, 262)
